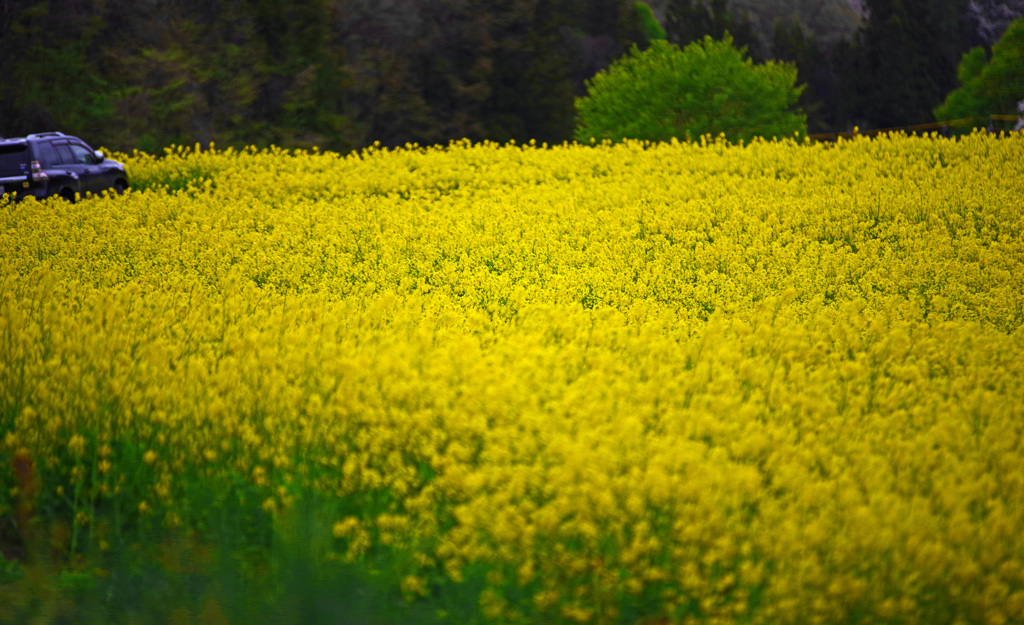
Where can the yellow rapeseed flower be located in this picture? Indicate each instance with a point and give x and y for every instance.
(703, 373)
(77, 445)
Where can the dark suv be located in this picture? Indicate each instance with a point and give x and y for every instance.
(53, 163)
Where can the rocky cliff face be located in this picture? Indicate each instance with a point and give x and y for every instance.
(828, 20)
(860, 7)
(991, 17)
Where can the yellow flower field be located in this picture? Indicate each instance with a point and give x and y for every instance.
(629, 383)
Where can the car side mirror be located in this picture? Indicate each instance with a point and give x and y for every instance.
(100, 157)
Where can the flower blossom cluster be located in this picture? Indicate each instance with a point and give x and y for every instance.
(775, 383)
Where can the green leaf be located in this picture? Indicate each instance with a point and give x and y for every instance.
(708, 88)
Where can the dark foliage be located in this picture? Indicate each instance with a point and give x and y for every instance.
(342, 74)
(338, 74)
(687, 21)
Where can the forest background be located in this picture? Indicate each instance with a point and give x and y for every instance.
(343, 74)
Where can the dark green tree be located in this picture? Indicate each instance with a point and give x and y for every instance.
(692, 20)
(301, 73)
(479, 69)
(445, 69)
(531, 85)
(165, 77)
(687, 21)
(707, 88)
(814, 71)
(49, 55)
(827, 20)
(903, 61)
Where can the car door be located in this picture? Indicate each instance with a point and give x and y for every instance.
(65, 171)
(14, 167)
(93, 177)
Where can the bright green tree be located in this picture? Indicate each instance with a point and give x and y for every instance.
(708, 88)
(989, 86)
(648, 23)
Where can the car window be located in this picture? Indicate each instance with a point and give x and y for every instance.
(13, 159)
(65, 157)
(83, 155)
(46, 155)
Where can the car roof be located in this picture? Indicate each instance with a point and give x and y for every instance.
(40, 135)
(47, 135)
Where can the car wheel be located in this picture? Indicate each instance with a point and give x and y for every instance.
(68, 195)
(120, 187)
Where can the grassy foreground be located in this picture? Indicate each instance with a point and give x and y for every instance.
(686, 383)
